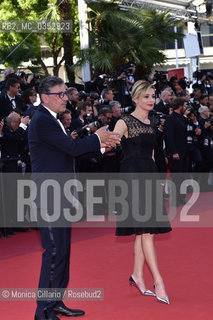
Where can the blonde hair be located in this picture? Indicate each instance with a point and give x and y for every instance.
(140, 88)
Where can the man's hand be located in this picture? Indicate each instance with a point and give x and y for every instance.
(122, 76)
(207, 124)
(187, 112)
(198, 131)
(74, 135)
(25, 120)
(30, 78)
(108, 139)
(92, 127)
(176, 156)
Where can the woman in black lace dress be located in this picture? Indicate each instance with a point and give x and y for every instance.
(138, 143)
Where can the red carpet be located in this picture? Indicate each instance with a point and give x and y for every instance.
(101, 260)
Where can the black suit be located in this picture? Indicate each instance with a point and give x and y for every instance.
(176, 142)
(6, 106)
(77, 124)
(163, 108)
(12, 148)
(52, 150)
(176, 134)
(71, 106)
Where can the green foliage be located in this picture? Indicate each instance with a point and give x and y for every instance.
(119, 36)
(75, 22)
(31, 48)
(22, 54)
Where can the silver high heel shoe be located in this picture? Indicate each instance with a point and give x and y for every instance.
(146, 293)
(164, 300)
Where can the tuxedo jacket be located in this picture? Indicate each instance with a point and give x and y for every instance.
(176, 134)
(13, 142)
(161, 107)
(51, 150)
(6, 106)
(70, 106)
(76, 124)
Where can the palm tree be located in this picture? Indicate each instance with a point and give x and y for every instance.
(64, 8)
(118, 36)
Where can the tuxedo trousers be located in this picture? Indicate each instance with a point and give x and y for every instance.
(55, 263)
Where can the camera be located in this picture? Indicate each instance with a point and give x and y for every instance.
(36, 76)
(20, 74)
(87, 117)
(83, 95)
(191, 112)
(198, 75)
(126, 68)
(97, 124)
(94, 96)
(158, 118)
(83, 132)
(160, 76)
(104, 101)
(87, 131)
(128, 109)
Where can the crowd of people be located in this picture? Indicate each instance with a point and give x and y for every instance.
(183, 122)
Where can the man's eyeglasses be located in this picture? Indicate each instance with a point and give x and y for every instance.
(59, 94)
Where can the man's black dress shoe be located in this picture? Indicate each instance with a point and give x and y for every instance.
(64, 311)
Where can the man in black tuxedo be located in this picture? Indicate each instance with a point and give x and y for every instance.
(52, 150)
(73, 100)
(10, 100)
(85, 115)
(164, 106)
(13, 142)
(176, 143)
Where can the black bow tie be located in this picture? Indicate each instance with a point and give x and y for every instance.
(58, 117)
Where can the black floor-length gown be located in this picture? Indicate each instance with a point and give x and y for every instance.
(137, 163)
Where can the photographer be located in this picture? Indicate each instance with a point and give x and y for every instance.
(128, 78)
(85, 116)
(13, 141)
(73, 101)
(7, 72)
(204, 119)
(29, 97)
(116, 113)
(107, 94)
(110, 160)
(207, 149)
(98, 83)
(66, 119)
(203, 82)
(186, 95)
(10, 99)
(160, 81)
(173, 83)
(193, 138)
(26, 81)
(161, 159)
(210, 102)
(165, 104)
